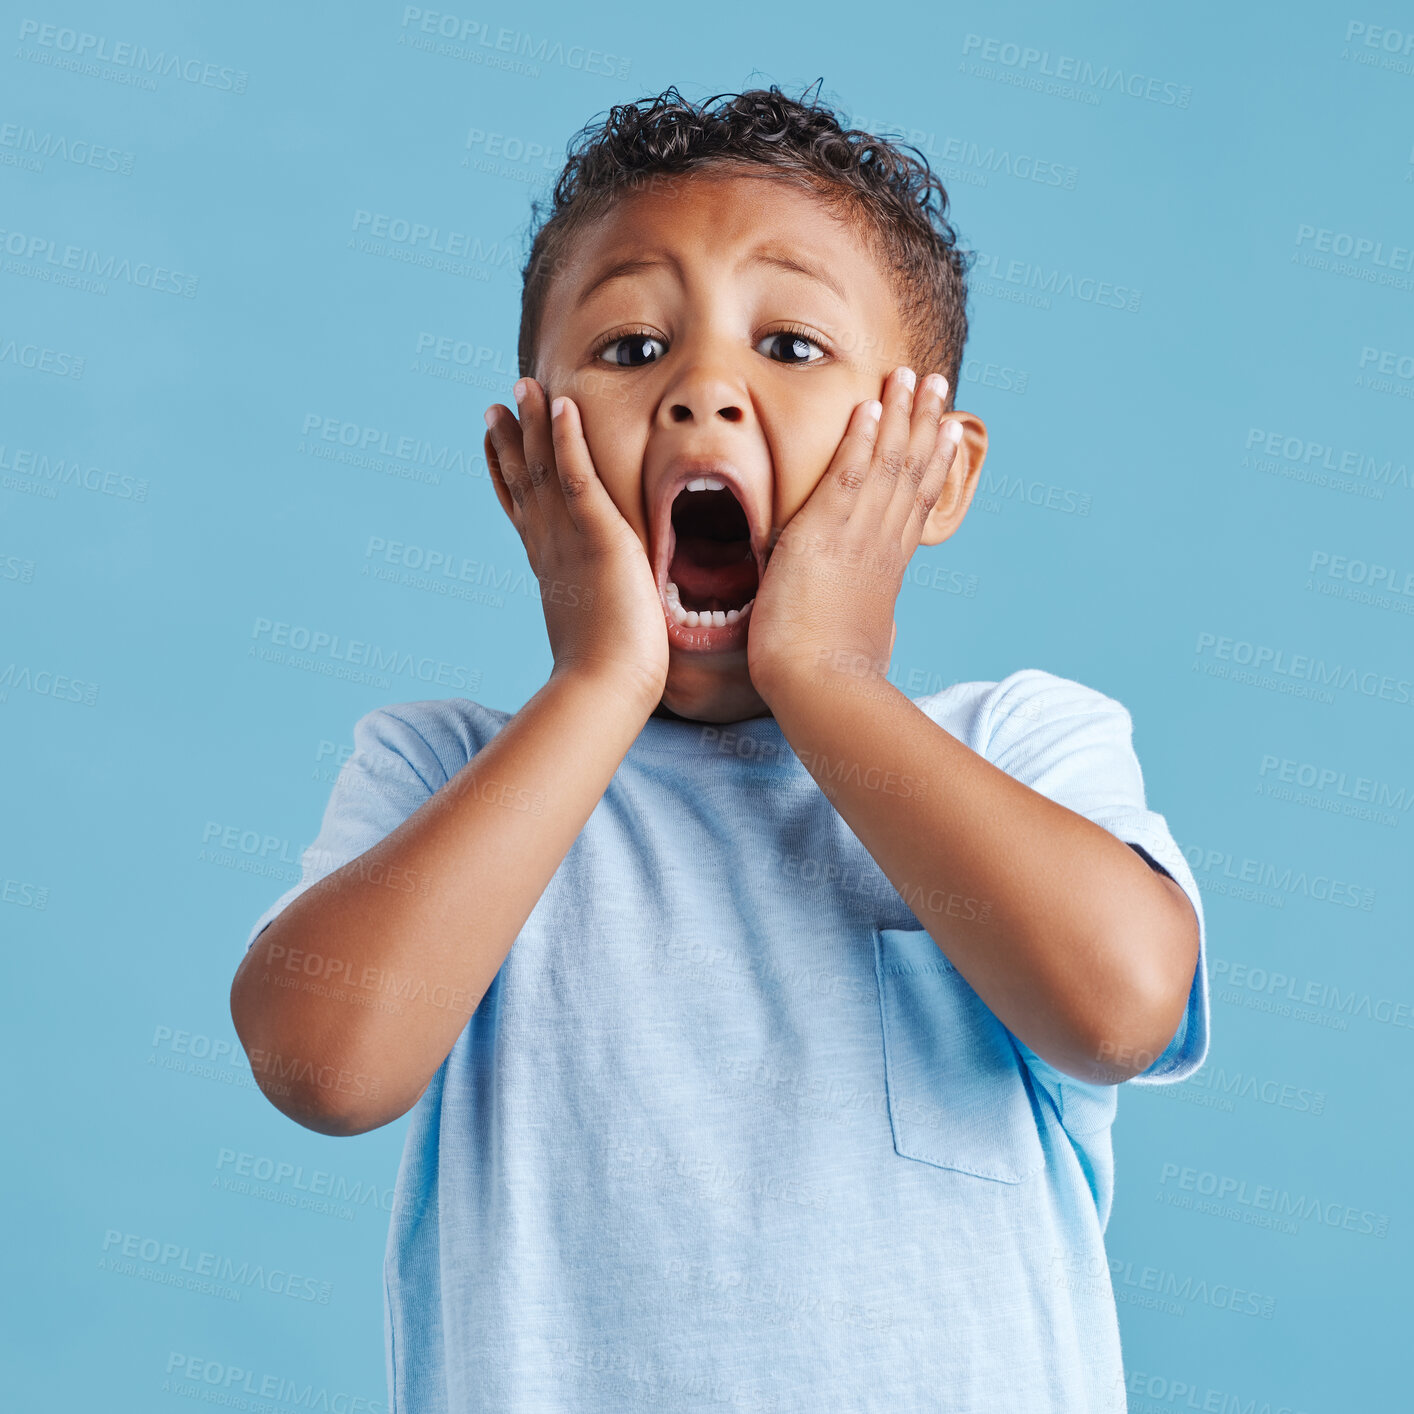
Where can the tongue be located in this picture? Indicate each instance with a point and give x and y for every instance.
(704, 570)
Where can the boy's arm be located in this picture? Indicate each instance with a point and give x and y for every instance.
(341, 1068)
(478, 868)
(1077, 945)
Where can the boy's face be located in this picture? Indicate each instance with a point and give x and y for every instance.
(711, 357)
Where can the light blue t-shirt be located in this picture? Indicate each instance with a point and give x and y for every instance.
(727, 1130)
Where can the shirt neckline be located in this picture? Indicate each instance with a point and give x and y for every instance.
(754, 740)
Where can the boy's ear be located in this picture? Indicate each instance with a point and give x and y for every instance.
(951, 506)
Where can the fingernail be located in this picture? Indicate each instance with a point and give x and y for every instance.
(489, 418)
(519, 390)
(557, 407)
(874, 409)
(953, 432)
(908, 378)
(936, 383)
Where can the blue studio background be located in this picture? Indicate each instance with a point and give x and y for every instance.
(1193, 341)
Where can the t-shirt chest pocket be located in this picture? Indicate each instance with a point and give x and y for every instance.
(958, 1093)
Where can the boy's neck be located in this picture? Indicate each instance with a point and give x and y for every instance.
(665, 712)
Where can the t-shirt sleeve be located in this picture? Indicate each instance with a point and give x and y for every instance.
(1075, 745)
(391, 772)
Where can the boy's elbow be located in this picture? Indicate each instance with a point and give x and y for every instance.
(324, 1095)
(1118, 1056)
(337, 1123)
(1106, 1056)
(345, 1120)
(320, 1107)
(1129, 1043)
(1131, 1037)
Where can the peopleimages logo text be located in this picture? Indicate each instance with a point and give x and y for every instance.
(50, 255)
(1064, 67)
(317, 643)
(98, 48)
(1265, 658)
(1302, 1206)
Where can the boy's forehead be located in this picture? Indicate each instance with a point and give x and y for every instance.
(682, 219)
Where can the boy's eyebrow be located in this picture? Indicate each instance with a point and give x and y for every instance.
(785, 260)
(621, 268)
(760, 255)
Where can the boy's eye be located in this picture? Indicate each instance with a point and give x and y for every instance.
(791, 345)
(629, 350)
(636, 350)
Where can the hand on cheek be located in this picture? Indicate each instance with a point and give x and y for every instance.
(826, 601)
(597, 592)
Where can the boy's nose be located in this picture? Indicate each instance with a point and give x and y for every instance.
(704, 398)
(683, 412)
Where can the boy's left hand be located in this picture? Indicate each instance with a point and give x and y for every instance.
(826, 600)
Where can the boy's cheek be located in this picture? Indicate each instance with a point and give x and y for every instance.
(800, 481)
(618, 462)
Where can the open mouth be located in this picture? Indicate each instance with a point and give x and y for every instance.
(712, 574)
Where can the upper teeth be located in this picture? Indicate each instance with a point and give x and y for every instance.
(706, 483)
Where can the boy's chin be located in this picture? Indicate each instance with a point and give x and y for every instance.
(712, 687)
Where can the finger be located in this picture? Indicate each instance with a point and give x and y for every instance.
(952, 433)
(503, 459)
(538, 450)
(937, 482)
(498, 481)
(891, 447)
(586, 499)
(849, 467)
(920, 475)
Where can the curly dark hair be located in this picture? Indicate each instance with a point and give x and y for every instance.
(897, 203)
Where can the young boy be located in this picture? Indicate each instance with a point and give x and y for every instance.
(761, 1027)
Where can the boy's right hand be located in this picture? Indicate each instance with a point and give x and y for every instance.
(601, 604)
